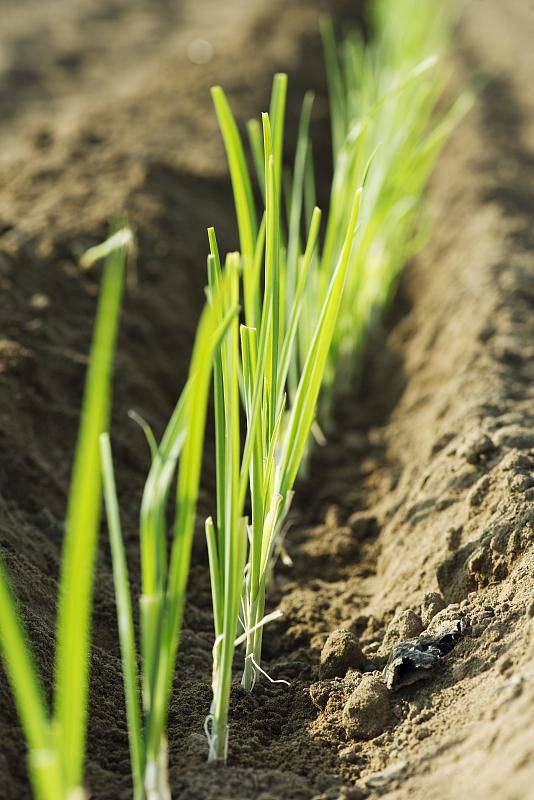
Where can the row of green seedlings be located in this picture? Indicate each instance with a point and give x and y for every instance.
(306, 323)
(250, 365)
(294, 302)
(305, 317)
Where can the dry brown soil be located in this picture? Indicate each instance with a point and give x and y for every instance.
(427, 483)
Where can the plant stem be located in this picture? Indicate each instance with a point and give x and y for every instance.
(254, 642)
(156, 776)
(219, 742)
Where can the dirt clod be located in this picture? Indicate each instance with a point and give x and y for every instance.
(368, 710)
(404, 625)
(341, 651)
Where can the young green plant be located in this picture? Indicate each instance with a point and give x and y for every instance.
(164, 577)
(387, 130)
(56, 740)
(277, 430)
(302, 329)
(227, 537)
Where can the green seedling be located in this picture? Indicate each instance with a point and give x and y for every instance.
(56, 738)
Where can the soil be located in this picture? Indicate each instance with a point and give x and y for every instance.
(417, 517)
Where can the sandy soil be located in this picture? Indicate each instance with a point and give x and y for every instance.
(419, 512)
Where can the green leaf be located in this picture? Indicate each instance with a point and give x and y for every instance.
(243, 197)
(303, 411)
(81, 530)
(125, 620)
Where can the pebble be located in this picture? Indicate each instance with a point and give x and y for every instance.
(341, 651)
(368, 709)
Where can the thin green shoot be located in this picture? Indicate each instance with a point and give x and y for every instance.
(56, 741)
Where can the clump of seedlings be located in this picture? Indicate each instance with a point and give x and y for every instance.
(307, 309)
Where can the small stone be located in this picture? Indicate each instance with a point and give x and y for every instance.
(409, 663)
(341, 651)
(368, 709)
(404, 625)
(432, 604)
